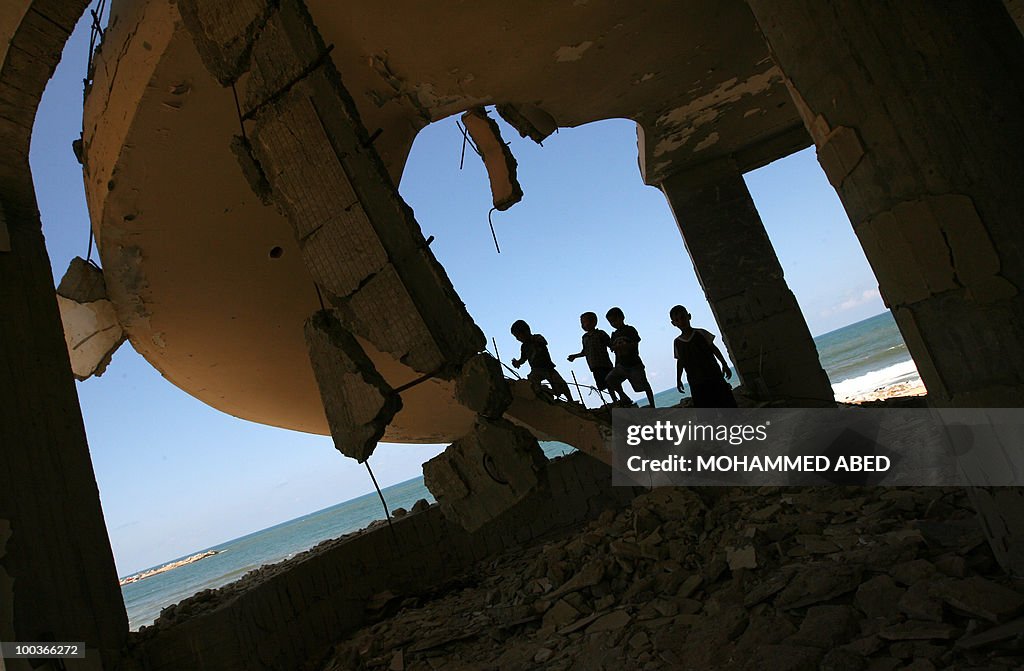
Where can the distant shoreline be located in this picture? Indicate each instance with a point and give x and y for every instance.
(148, 573)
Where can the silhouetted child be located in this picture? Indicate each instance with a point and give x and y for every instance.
(535, 351)
(595, 348)
(625, 342)
(706, 368)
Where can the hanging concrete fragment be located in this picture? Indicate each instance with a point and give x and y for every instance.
(498, 159)
(530, 121)
(91, 328)
(358, 402)
(486, 473)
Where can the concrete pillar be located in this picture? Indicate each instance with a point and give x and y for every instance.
(915, 109)
(761, 323)
(57, 575)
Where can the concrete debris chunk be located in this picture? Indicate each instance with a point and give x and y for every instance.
(917, 630)
(741, 558)
(482, 388)
(485, 473)
(529, 120)
(358, 402)
(980, 597)
(875, 597)
(497, 157)
(817, 584)
(92, 331)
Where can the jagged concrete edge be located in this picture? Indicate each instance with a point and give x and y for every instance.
(341, 338)
(506, 154)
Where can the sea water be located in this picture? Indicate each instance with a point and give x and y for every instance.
(858, 358)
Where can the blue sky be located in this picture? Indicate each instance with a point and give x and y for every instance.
(176, 476)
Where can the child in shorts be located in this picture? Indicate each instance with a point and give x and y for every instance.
(595, 348)
(625, 342)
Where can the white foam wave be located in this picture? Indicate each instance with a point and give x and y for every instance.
(876, 379)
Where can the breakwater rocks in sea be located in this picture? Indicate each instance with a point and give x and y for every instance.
(786, 579)
(167, 567)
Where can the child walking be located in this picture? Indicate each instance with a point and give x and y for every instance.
(625, 342)
(596, 343)
(706, 368)
(535, 351)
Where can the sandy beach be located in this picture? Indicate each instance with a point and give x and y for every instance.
(903, 389)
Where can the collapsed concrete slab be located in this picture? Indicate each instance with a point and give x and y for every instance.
(482, 387)
(564, 422)
(483, 475)
(358, 403)
(92, 331)
(497, 157)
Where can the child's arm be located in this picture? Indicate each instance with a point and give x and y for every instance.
(516, 363)
(725, 366)
(573, 357)
(679, 375)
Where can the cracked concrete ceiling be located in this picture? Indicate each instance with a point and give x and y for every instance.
(207, 279)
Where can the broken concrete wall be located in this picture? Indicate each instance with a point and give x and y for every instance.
(301, 612)
(91, 327)
(358, 238)
(929, 195)
(358, 402)
(57, 574)
(934, 198)
(481, 476)
(497, 157)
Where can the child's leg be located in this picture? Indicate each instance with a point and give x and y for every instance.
(601, 382)
(650, 395)
(615, 379)
(559, 385)
(641, 383)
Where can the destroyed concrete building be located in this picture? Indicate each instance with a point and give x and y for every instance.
(247, 152)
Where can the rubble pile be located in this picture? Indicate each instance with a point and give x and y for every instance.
(847, 579)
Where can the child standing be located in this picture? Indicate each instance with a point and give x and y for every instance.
(696, 353)
(535, 350)
(625, 342)
(595, 348)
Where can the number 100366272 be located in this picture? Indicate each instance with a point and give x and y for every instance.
(22, 650)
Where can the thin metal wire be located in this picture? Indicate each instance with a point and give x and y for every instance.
(95, 31)
(493, 234)
(577, 383)
(387, 513)
(498, 357)
(466, 137)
